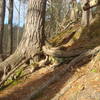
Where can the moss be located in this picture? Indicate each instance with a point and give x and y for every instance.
(16, 82)
(60, 36)
(94, 70)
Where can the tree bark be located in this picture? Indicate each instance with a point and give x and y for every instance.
(34, 37)
(2, 16)
(86, 15)
(10, 25)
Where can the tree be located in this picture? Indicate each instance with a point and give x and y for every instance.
(33, 38)
(86, 15)
(92, 3)
(10, 24)
(54, 15)
(2, 16)
(74, 10)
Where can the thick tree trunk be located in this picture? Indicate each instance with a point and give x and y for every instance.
(33, 37)
(10, 25)
(2, 16)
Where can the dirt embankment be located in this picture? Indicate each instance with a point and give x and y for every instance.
(77, 83)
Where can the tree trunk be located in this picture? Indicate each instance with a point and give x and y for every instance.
(19, 14)
(10, 26)
(74, 10)
(33, 38)
(92, 4)
(86, 15)
(2, 16)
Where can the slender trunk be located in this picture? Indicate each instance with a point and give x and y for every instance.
(2, 17)
(18, 32)
(74, 10)
(86, 15)
(10, 24)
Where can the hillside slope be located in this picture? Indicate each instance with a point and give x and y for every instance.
(79, 82)
(82, 82)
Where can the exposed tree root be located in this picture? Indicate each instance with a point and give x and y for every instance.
(4, 56)
(5, 77)
(10, 63)
(58, 75)
(56, 52)
(8, 66)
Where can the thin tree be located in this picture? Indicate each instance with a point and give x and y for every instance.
(86, 15)
(2, 17)
(74, 10)
(10, 24)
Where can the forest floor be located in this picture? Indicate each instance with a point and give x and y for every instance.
(78, 83)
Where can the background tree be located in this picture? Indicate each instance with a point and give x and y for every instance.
(74, 10)
(86, 15)
(10, 24)
(56, 13)
(2, 17)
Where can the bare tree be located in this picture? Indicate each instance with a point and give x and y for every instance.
(2, 17)
(10, 24)
(74, 10)
(86, 15)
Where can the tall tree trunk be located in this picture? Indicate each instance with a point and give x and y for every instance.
(19, 14)
(74, 10)
(2, 17)
(86, 15)
(33, 38)
(10, 25)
